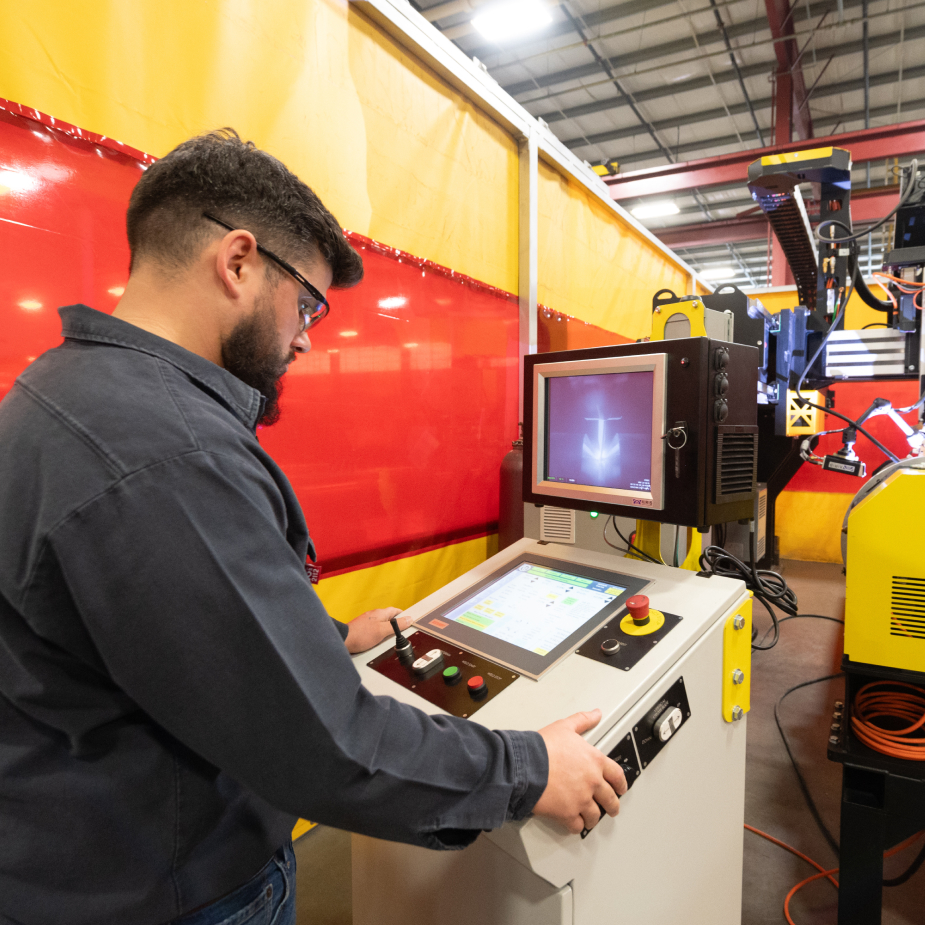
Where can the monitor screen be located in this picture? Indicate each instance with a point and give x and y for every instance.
(531, 612)
(599, 430)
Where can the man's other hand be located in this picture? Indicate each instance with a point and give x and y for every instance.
(582, 780)
(370, 628)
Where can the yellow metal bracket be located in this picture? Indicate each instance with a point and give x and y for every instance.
(737, 663)
(648, 540)
(694, 548)
(692, 310)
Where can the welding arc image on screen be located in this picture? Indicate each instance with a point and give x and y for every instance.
(599, 430)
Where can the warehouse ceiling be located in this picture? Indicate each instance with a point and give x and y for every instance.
(645, 83)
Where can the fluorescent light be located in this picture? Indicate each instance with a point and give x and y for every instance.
(512, 19)
(655, 210)
(719, 273)
(395, 301)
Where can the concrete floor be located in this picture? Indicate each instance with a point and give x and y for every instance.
(807, 649)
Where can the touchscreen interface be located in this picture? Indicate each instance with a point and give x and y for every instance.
(534, 607)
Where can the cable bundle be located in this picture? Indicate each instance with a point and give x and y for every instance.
(880, 700)
(767, 586)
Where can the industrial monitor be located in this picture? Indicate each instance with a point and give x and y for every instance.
(664, 430)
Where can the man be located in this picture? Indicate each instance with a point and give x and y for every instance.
(172, 693)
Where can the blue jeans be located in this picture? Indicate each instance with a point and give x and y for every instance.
(266, 899)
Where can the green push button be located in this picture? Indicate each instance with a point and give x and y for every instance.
(451, 675)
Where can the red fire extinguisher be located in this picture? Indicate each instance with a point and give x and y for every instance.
(511, 513)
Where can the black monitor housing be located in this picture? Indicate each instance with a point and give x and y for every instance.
(599, 422)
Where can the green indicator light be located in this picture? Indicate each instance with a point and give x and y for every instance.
(594, 515)
(450, 672)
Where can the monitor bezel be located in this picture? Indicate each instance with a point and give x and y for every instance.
(529, 664)
(656, 363)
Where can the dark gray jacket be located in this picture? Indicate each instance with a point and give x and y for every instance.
(172, 692)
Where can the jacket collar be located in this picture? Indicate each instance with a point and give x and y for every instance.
(86, 324)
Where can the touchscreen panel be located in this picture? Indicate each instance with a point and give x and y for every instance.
(533, 611)
(534, 607)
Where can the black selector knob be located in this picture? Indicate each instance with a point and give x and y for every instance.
(720, 410)
(720, 358)
(721, 384)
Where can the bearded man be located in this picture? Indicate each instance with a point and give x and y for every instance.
(172, 693)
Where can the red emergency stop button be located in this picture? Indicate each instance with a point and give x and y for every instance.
(638, 606)
(477, 686)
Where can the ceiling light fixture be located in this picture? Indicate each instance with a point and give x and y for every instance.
(655, 210)
(719, 273)
(513, 19)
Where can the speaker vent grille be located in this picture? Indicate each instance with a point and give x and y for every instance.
(736, 466)
(557, 525)
(907, 615)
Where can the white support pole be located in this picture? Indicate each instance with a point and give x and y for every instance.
(527, 269)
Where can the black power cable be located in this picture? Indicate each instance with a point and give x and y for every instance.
(910, 870)
(913, 166)
(629, 546)
(815, 356)
(804, 788)
(767, 586)
(917, 861)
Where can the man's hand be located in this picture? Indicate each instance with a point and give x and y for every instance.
(370, 628)
(582, 780)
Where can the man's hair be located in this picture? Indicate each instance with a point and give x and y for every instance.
(243, 186)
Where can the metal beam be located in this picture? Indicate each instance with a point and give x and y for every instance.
(708, 115)
(899, 140)
(728, 141)
(888, 40)
(867, 205)
(671, 49)
(792, 116)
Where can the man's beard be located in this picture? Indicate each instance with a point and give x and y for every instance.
(251, 352)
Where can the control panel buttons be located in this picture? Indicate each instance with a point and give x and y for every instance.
(427, 662)
(452, 675)
(720, 358)
(667, 724)
(477, 686)
(721, 384)
(720, 410)
(638, 606)
(611, 646)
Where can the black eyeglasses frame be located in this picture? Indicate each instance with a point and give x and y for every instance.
(308, 321)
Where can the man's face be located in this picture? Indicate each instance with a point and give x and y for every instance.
(261, 346)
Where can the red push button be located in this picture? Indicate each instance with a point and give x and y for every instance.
(638, 606)
(477, 686)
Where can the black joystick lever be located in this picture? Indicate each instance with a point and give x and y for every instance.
(402, 647)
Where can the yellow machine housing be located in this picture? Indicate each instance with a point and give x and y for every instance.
(885, 606)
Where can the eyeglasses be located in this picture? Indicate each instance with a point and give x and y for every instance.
(313, 306)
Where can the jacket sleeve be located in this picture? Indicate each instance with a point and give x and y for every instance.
(203, 615)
